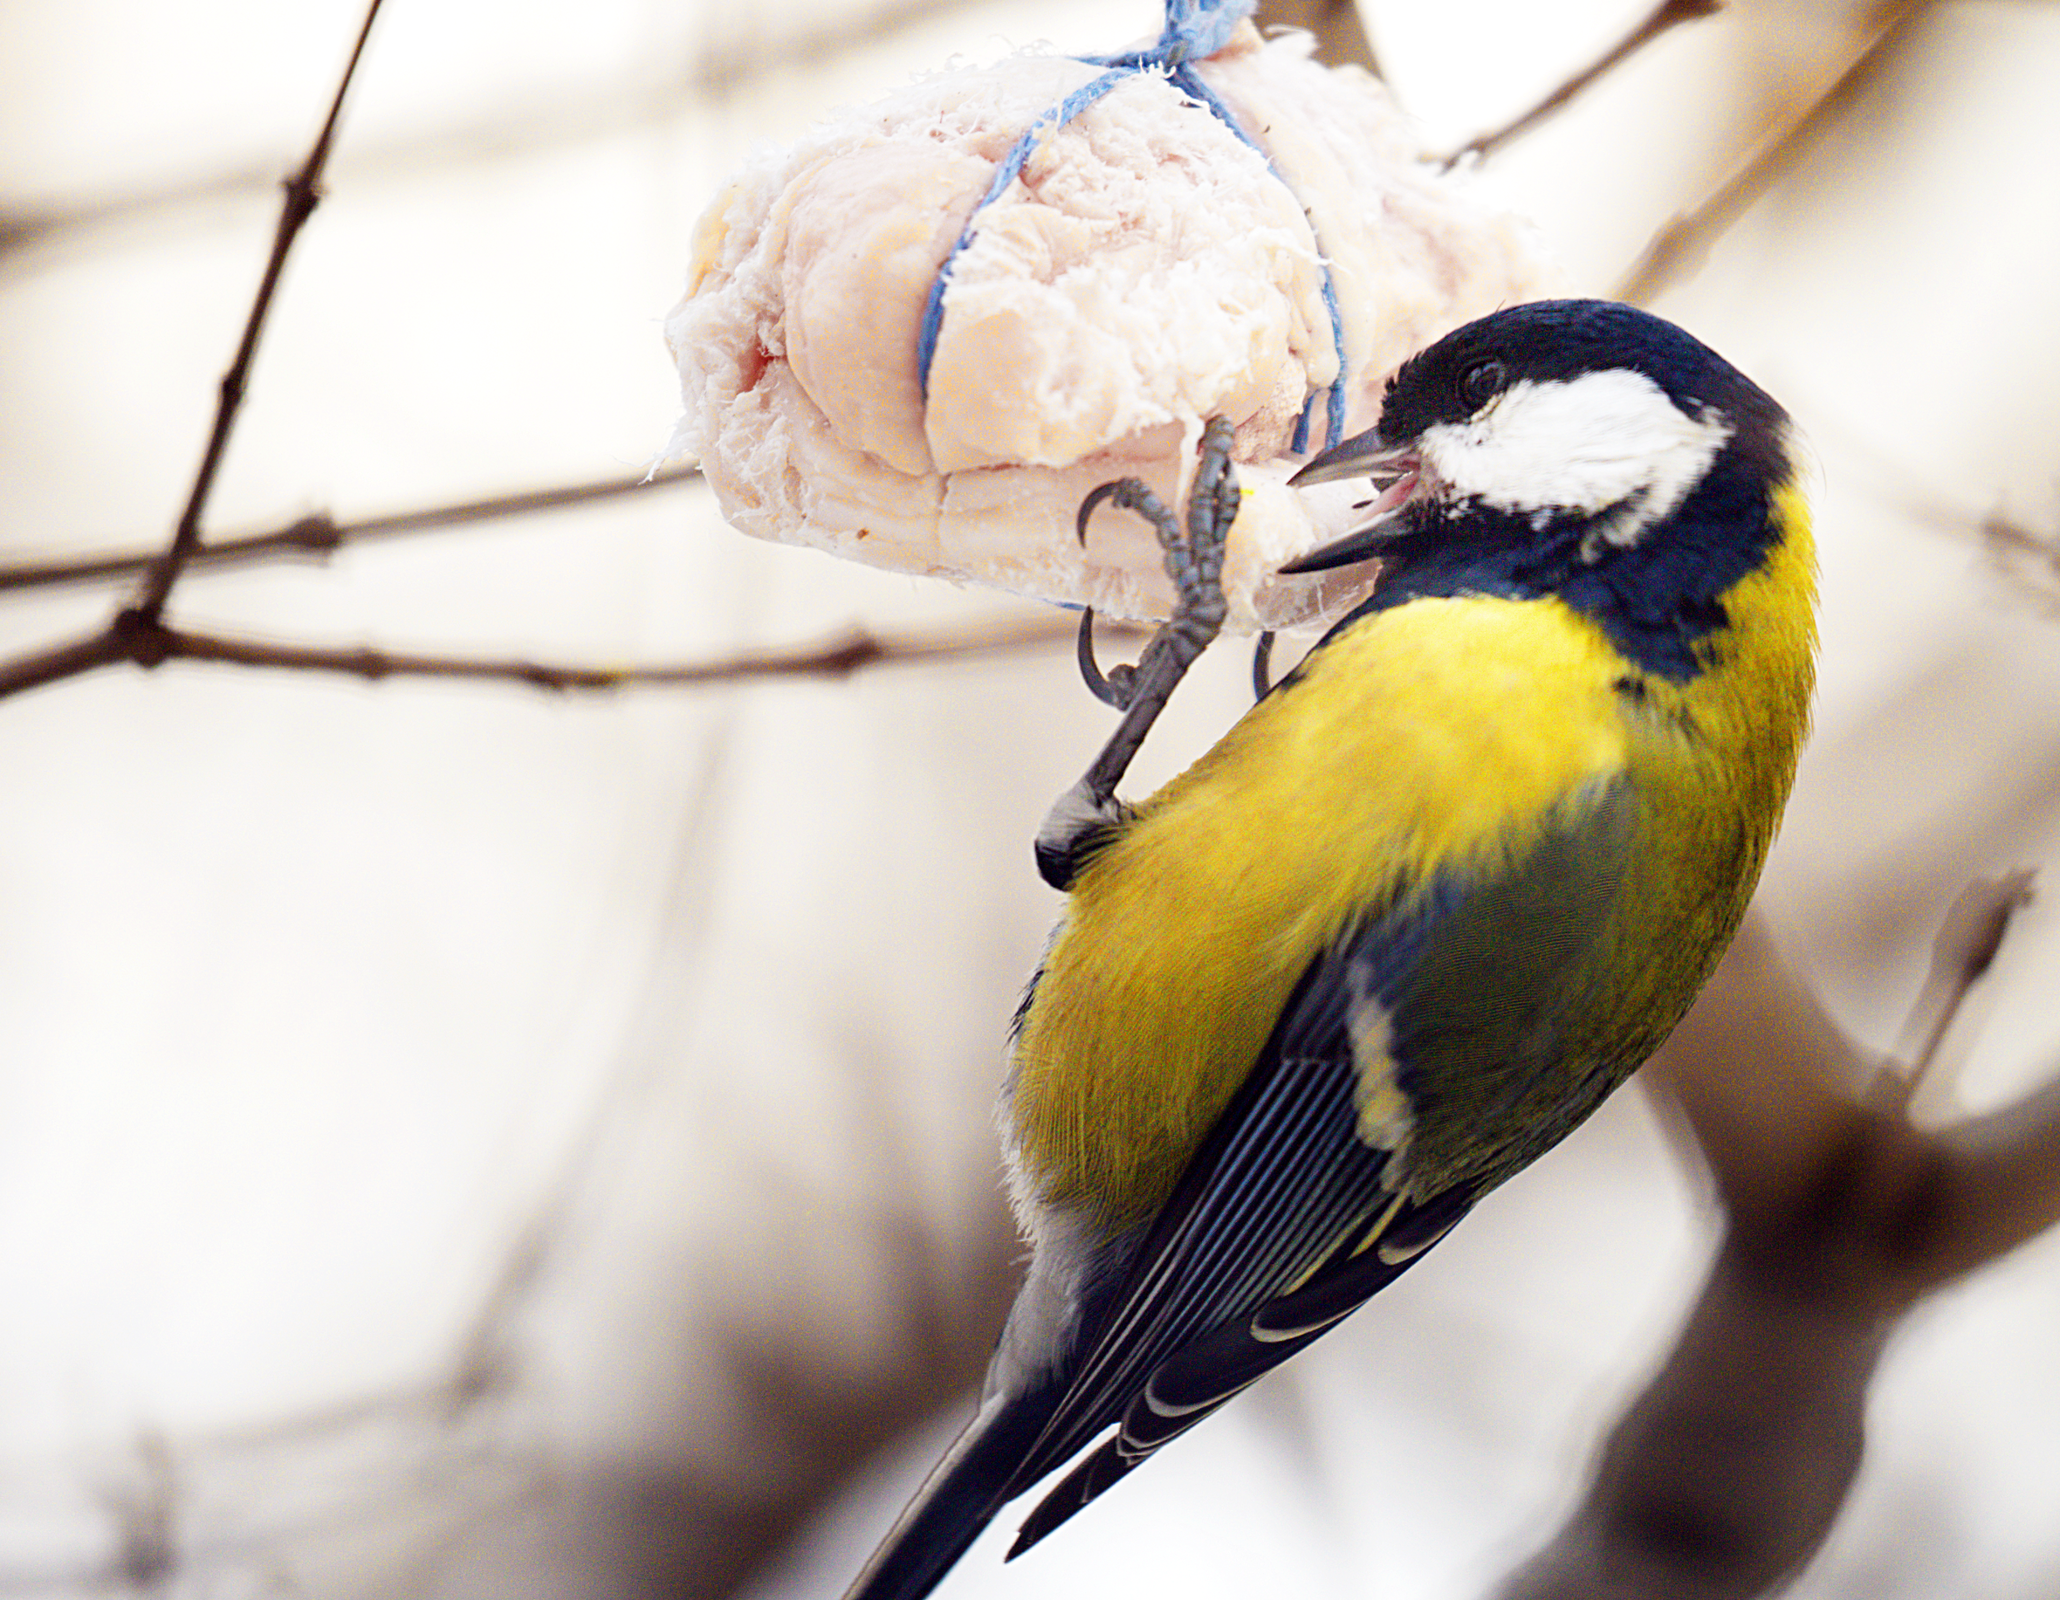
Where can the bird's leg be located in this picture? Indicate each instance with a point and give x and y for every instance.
(1194, 561)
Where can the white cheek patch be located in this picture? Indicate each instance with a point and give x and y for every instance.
(1603, 442)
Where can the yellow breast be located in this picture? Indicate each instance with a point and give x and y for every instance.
(1437, 737)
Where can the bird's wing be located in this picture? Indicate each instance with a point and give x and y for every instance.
(1285, 1221)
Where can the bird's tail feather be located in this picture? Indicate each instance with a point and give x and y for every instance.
(957, 1500)
(1098, 1472)
(1199, 1380)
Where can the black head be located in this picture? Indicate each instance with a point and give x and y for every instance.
(1574, 447)
(1457, 380)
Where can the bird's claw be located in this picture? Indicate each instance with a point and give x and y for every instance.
(1194, 562)
(1119, 684)
(1262, 666)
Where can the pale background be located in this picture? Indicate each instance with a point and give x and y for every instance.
(609, 1051)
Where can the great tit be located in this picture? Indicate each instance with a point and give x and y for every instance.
(1410, 921)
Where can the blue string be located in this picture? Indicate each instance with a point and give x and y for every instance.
(1194, 29)
(1010, 169)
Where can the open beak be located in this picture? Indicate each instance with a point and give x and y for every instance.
(1396, 471)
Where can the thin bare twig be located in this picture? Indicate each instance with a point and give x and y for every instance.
(318, 536)
(832, 658)
(134, 639)
(1665, 17)
(72, 659)
(303, 193)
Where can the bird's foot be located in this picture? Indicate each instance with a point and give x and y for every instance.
(1194, 562)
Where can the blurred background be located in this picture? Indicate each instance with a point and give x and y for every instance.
(457, 1140)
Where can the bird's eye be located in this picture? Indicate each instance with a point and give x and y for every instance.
(1481, 382)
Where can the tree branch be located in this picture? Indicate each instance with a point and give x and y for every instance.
(134, 639)
(303, 193)
(1679, 247)
(1999, 1184)
(318, 536)
(1724, 1477)
(1665, 17)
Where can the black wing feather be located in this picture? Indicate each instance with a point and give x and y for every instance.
(1280, 1196)
(1287, 1219)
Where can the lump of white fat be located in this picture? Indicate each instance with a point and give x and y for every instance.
(1147, 269)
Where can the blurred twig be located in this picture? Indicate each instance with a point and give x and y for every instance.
(1965, 948)
(1679, 247)
(2028, 556)
(942, 1293)
(146, 1512)
(1724, 1477)
(1665, 17)
(539, 122)
(318, 536)
(1339, 29)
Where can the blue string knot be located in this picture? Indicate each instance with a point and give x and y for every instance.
(1194, 30)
